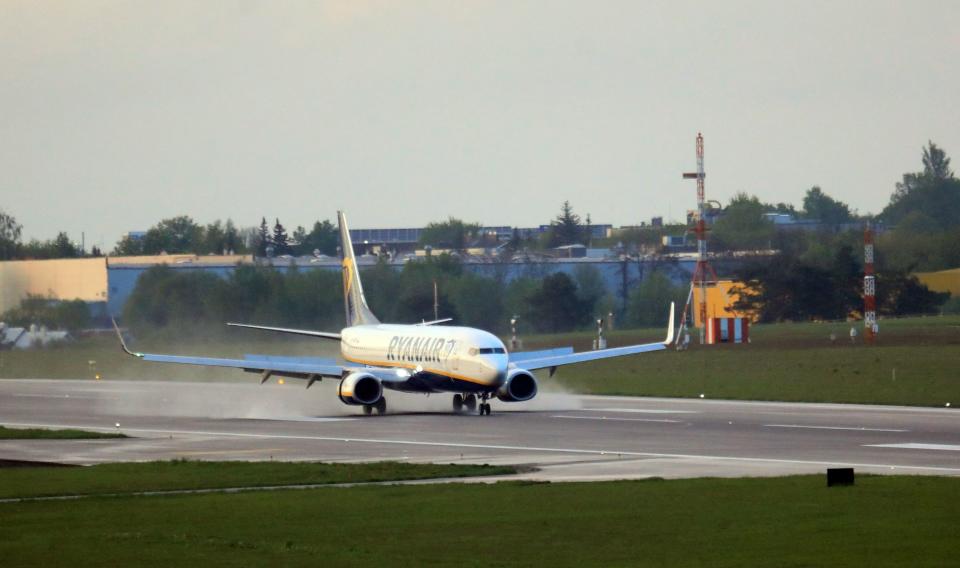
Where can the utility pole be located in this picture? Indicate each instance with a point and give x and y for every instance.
(703, 274)
(436, 302)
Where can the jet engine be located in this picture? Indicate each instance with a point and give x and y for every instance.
(360, 388)
(520, 386)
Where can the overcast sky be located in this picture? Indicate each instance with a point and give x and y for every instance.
(114, 115)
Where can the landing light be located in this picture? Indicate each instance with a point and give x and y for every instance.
(280, 381)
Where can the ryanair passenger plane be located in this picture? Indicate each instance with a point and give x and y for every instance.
(418, 358)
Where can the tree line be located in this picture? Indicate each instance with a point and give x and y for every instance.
(818, 275)
(174, 299)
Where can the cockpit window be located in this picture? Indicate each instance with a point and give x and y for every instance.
(491, 350)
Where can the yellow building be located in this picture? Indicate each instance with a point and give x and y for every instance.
(942, 281)
(720, 301)
(62, 279)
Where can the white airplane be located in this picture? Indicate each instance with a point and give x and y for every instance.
(417, 358)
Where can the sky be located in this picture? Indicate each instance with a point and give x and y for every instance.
(114, 115)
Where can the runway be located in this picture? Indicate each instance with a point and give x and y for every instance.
(558, 437)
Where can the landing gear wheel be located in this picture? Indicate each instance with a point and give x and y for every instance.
(367, 409)
(457, 402)
(470, 402)
(485, 409)
(382, 406)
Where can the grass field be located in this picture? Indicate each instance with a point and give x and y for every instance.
(182, 474)
(913, 363)
(45, 434)
(792, 521)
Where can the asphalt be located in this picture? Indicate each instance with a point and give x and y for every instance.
(561, 437)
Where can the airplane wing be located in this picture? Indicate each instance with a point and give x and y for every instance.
(553, 358)
(295, 367)
(311, 333)
(520, 356)
(434, 322)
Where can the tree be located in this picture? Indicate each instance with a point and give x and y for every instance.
(781, 207)
(280, 241)
(590, 287)
(901, 294)
(555, 307)
(128, 246)
(936, 164)
(62, 247)
(478, 301)
(566, 228)
(381, 284)
(9, 236)
(232, 241)
(935, 192)
(649, 300)
(819, 205)
(742, 225)
(789, 288)
(174, 235)
(323, 237)
(214, 239)
(168, 297)
(452, 234)
(263, 238)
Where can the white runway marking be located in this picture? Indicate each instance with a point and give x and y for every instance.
(916, 446)
(616, 419)
(641, 410)
(77, 396)
(579, 451)
(856, 428)
(303, 419)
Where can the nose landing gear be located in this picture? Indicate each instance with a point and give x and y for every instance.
(484, 405)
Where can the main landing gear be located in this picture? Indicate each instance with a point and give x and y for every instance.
(469, 402)
(380, 406)
(461, 402)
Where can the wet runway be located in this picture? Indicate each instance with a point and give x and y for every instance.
(562, 436)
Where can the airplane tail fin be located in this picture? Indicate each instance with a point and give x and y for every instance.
(355, 304)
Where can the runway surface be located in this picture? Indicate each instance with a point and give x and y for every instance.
(562, 436)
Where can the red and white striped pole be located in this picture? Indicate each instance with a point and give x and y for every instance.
(869, 287)
(703, 272)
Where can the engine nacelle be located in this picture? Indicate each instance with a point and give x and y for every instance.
(520, 386)
(360, 388)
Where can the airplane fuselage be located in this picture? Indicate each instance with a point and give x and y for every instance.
(438, 358)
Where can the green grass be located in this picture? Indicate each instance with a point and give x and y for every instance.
(914, 363)
(182, 474)
(792, 521)
(45, 434)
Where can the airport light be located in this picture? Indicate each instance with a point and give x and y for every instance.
(514, 341)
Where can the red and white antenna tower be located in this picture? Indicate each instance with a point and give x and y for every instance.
(703, 274)
(869, 287)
